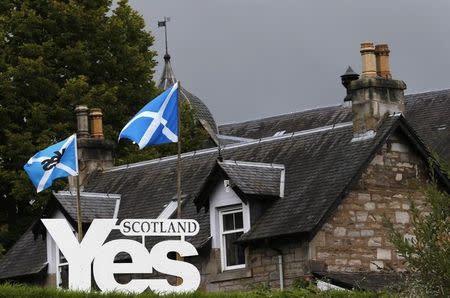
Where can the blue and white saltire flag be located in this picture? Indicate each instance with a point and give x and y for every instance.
(156, 123)
(57, 161)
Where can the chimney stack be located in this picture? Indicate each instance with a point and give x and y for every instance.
(369, 68)
(382, 58)
(82, 121)
(96, 116)
(375, 95)
(94, 152)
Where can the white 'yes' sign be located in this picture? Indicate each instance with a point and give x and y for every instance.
(93, 250)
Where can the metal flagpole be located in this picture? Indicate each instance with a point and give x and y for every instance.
(79, 220)
(179, 156)
(179, 258)
(80, 223)
(165, 31)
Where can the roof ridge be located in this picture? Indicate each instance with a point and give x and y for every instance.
(281, 114)
(252, 164)
(429, 91)
(230, 146)
(318, 108)
(88, 194)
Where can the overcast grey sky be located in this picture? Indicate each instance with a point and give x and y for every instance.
(248, 59)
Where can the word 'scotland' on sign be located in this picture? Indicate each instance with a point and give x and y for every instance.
(93, 253)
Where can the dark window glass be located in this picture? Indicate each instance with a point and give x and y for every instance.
(64, 283)
(228, 222)
(238, 223)
(235, 253)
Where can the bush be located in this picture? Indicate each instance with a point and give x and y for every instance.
(427, 254)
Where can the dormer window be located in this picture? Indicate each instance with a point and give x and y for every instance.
(230, 191)
(231, 228)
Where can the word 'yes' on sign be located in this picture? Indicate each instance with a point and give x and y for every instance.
(93, 254)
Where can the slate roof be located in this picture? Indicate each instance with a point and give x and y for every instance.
(366, 281)
(201, 111)
(28, 256)
(93, 205)
(319, 164)
(428, 113)
(292, 122)
(255, 178)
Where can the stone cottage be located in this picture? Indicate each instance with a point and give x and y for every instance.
(284, 198)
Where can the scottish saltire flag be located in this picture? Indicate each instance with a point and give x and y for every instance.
(156, 123)
(57, 161)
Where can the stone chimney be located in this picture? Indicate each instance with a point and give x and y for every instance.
(375, 95)
(94, 152)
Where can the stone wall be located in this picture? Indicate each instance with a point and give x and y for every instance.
(354, 238)
(262, 268)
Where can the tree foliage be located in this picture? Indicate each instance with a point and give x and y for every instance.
(427, 254)
(55, 55)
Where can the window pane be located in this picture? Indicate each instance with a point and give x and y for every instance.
(228, 222)
(234, 253)
(64, 273)
(238, 223)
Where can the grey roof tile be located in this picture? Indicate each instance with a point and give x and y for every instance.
(93, 205)
(27, 256)
(254, 178)
(319, 164)
(428, 113)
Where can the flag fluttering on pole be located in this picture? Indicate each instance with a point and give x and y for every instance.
(156, 123)
(57, 161)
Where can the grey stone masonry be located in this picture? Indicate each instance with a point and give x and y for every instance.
(355, 238)
(373, 98)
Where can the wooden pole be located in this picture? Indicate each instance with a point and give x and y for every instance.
(79, 220)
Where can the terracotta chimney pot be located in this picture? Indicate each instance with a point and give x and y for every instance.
(369, 68)
(96, 116)
(382, 59)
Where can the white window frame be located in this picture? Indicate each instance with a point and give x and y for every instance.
(59, 267)
(223, 253)
(58, 263)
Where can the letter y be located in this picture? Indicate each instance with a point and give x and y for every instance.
(79, 255)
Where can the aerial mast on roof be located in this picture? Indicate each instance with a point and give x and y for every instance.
(163, 23)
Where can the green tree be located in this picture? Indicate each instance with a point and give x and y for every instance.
(427, 254)
(55, 55)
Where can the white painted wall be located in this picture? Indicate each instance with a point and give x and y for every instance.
(221, 198)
